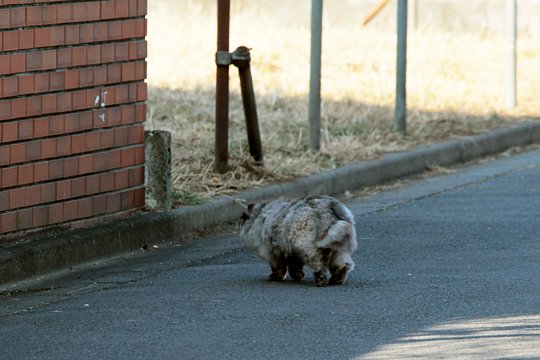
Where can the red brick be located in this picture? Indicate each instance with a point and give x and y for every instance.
(10, 86)
(26, 84)
(71, 122)
(70, 210)
(71, 166)
(132, 12)
(48, 192)
(18, 107)
(107, 9)
(140, 70)
(115, 30)
(17, 153)
(4, 155)
(128, 29)
(84, 208)
(63, 147)
(121, 94)
(115, 159)
(136, 135)
(49, 14)
(132, 92)
(63, 102)
(78, 12)
(139, 197)
(78, 143)
(139, 155)
(106, 182)
(48, 148)
(107, 53)
(42, 37)
(136, 176)
(33, 15)
(86, 34)
(26, 129)
(128, 71)
(5, 18)
(120, 136)
(17, 198)
(128, 157)
(99, 204)
(128, 200)
(57, 35)
(41, 171)
(48, 60)
(100, 118)
(102, 161)
(40, 216)
(72, 34)
(18, 63)
(107, 138)
(63, 57)
(71, 79)
(4, 200)
(41, 127)
(5, 63)
(121, 8)
(64, 13)
(114, 73)
(114, 115)
(142, 49)
(121, 179)
(86, 77)
(33, 61)
(10, 131)
(9, 176)
(5, 110)
(78, 99)
(9, 222)
(56, 124)
(78, 56)
(56, 213)
(93, 140)
(93, 55)
(33, 150)
(33, 106)
(33, 195)
(93, 10)
(100, 75)
(56, 168)
(140, 28)
(142, 92)
(25, 174)
(114, 203)
(121, 51)
(24, 219)
(92, 184)
(18, 17)
(56, 81)
(78, 187)
(26, 39)
(48, 103)
(10, 40)
(101, 31)
(63, 190)
(85, 120)
(41, 81)
(128, 114)
(86, 164)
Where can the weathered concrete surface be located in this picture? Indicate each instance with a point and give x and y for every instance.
(157, 171)
(447, 268)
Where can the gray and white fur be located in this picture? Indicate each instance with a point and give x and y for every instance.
(316, 231)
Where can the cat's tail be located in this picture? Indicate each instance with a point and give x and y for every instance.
(341, 237)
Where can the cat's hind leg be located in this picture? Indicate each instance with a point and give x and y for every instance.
(279, 268)
(295, 267)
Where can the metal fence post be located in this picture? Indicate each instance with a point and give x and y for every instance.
(400, 118)
(221, 152)
(314, 107)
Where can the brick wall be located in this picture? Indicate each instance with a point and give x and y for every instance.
(72, 112)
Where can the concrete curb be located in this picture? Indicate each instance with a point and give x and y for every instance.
(53, 253)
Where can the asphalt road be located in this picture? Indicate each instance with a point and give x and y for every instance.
(447, 267)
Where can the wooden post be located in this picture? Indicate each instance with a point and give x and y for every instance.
(314, 110)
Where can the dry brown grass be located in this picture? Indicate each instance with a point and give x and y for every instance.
(456, 87)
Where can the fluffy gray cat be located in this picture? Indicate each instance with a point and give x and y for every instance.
(316, 231)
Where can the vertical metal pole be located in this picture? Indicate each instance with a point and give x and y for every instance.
(511, 20)
(241, 59)
(400, 118)
(314, 107)
(222, 89)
